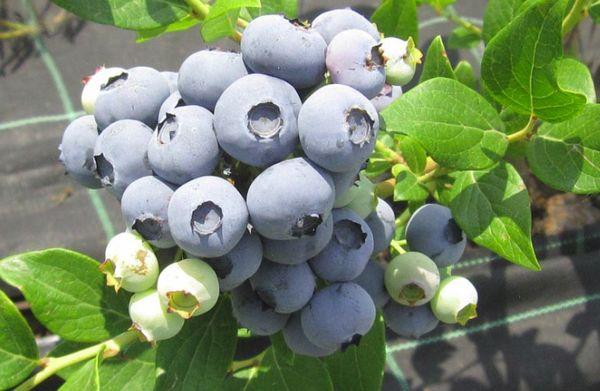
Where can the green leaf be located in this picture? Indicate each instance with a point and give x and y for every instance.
(455, 125)
(397, 18)
(377, 165)
(220, 26)
(497, 15)
(575, 76)
(492, 208)
(464, 73)
(513, 121)
(281, 369)
(201, 353)
(360, 367)
(18, 351)
(520, 64)
(595, 11)
(566, 156)
(436, 62)
(413, 153)
(128, 14)
(462, 38)
(287, 7)
(86, 378)
(180, 25)
(68, 294)
(407, 186)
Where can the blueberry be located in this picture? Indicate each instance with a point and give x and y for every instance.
(184, 145)
(342, 182)
(256, 120)
(386, 96)
(331, 23)
(286, 49)
(240, 263)
(204, 76)
(136, 94)
(171, 78)
(348, 251)
(432, 231)
(121, 154)
(455, 301)
(409, 322)
(412, 279)
(353, 59)
(383, 225)
(297, 341)
(77, 151)
(253, 314)
(207, 216)
(93, 84)
(295, 251)
(372, 281)
(290, 199)
(144, 207)
(338, 127)
(171, 103)
(285, 288)
(338, 316)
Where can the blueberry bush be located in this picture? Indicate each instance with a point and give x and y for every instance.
(299, 189)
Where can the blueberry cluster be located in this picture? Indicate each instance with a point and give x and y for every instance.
(249, 164)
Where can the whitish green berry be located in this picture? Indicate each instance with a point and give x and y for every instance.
(130, 263)
(189, 287)
(360, 197)
(400, 58)
(412, 279)
(151, 318)
(455, 301)
(94, 83)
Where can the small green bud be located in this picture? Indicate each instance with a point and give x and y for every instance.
(189, 287)
(151, 318)
(400, 59)
(130, 263)
(455, 301)
(412, 279)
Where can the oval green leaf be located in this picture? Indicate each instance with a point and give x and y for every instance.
(436, 62)
(201, 353)
(566, 156)
(128, 14)
(360, 367)
(85, 378)
(68, 294)
(521, 64)
(397, 18)
(492, 207)
(499, 13)
(455, 124)
(18, 351)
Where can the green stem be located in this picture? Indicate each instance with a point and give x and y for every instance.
(577, 13)
(243, 364)
(200, 8)
(453, 16)
(110, 348)
(393, 156)
(403, 218)
(397, 247)
(385, 189)
(523, 133)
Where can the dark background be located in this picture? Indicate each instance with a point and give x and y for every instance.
(537, 331)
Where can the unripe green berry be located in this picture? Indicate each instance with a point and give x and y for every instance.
(130, 263)
(412, 279)
(189, 287)
(151, 318)
(401, 59)
(94, 83)
(360, 197)
(455, 301)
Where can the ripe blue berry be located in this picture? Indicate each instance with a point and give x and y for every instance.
(409, 322)
(297, 341)
(77, 151)
(331, 23)
(252, 313)
(382, 222)
(372, 281)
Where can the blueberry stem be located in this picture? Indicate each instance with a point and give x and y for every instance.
(523, 133)
(393, 156)
(450, 13)
(577, 13)
(403, 218)
(251, 362)
(385, 189)
(201, 10)
(109, 348)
